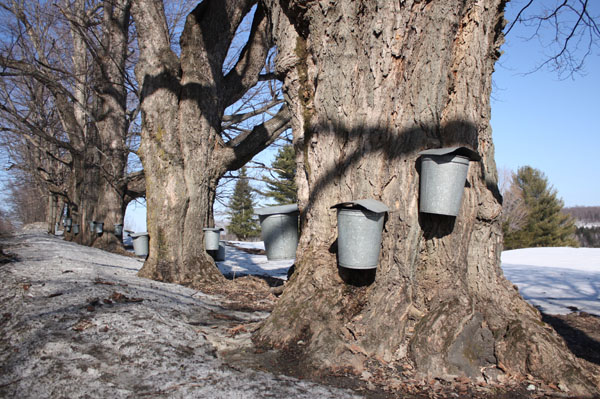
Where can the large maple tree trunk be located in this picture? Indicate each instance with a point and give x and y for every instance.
(180, 188)
(98, 183)
(112, 125)
(371, 84)
(183, 150)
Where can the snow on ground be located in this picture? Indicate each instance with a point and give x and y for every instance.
(77, 322)
(243, 263)
(556, 280)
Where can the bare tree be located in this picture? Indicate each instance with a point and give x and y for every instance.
(514, 211)
(184, 149)
(29, 135)
(369, 85)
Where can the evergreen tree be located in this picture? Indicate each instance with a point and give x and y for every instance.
(546, 225)
(242, 224)
(283, 188)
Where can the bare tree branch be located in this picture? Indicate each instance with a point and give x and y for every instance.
(243, 147)
(244, 74)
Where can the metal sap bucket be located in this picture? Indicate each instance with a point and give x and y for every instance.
(443, 175)
(118, 229)
(68, 222)
(220, 256)
(360, 224)
(92, 226)
(212, 236)
(75, 229)
(279, 230)
(140, 243)
(99, 227)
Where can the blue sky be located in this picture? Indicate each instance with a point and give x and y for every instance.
(545, 122)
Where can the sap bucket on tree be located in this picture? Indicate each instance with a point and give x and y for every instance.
(68, 224)
(279, 230)
(140, 243)
(99, 227)
(212, 237)
(118, 229)
(360, 224)
(75, 229)
(443, 175)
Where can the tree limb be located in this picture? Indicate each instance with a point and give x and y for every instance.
(245, 73)
(135, 185)
(242, 148)
(238, 118)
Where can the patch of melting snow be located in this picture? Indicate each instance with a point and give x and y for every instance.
(78, 322)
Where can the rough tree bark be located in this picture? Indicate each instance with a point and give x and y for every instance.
(183, 100)
(99, 179)
(369, 85)
(112, 121)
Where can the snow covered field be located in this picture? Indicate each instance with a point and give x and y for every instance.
(556, 280)
(242, 263)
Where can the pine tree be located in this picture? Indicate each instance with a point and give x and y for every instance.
(546, 225)
(283, 188)
(242, 224)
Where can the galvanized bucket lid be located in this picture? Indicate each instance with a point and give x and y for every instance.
(213, 229)
(279, 209)
(464, 151)
(136, 235)
(368, 204)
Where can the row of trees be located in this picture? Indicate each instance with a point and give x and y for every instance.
(71, 103)
(588, 224)
(64, 100)
(366, 86)
(585, 214)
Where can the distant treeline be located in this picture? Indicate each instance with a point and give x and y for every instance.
(588, 220)
(584, 214)
(588, 236)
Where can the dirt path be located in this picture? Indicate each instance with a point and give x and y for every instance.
(77, 322)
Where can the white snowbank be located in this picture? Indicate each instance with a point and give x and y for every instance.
(556, 280)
